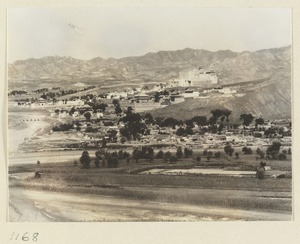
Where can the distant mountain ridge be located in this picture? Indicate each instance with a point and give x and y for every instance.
(160, 66)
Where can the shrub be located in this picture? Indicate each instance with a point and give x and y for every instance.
(258, 151)
(262, 154)
(112, 162)
(205, 152)
(198, 159)
(282, 156)
(91, 129)
(260, 173)
(217, 154)
(173, 159)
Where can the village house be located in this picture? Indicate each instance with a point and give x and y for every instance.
(190, 94)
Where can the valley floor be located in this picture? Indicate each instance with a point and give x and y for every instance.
(44, 206)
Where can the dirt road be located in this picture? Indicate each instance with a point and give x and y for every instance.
(41, 206)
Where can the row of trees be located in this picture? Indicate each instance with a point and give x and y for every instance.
(273, 151)
(111, 159)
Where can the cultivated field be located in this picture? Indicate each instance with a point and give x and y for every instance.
(193, 197)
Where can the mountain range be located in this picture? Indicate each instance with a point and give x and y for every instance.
(271, 65)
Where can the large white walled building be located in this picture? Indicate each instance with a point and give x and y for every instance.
(195, 77)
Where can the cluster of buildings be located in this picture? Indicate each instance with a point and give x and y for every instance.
(107, 127)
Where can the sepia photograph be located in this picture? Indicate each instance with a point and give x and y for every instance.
(149, 114)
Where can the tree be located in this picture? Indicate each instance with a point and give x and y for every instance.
(170, 122)
(137, 154)
(97, 162)
(112, 162)
(116, 102)
(188, 152)
(72, 111)
(85, 159)
(198, 159)
(181, 132)
(273, 150)
(104, 143)
(228, 149)
(156, 97)
(179, 152)
(237, 155)
(90, 129)
(247, 119)
(160, 154)
(118, 109)
(167, 156)
(200, 120)
(259, 121)
(220, 127)
(149, 118)
(260, 173)
(134, 126)
(87, 115)
(205, 152)
(247, 150)
(102, 106)
(123, 139)
(216, 113)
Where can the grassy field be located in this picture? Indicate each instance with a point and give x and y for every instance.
(125, 182)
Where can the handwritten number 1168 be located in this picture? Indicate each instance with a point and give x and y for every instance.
(25, 237)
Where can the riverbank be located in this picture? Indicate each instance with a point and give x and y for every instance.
(23, 124)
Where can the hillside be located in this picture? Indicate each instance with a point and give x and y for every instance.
(270, 99)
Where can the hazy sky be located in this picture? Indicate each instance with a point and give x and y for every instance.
(87, 33)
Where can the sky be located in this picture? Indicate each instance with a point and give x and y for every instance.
(86, 33)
